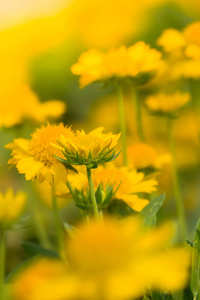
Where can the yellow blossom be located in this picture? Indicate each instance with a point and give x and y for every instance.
(11, 207)
(27, 106)
(171, 39)
(105, 258)
(141, 155)
(123, 62)
(167, 103)
(126, 183)
(35, 157)
(89, 149)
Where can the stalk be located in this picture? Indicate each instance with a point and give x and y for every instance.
(2, 262)
(176, 185)
(122, 123)
(39, 226)
(138, 116)
(58, 224)
(92, 194)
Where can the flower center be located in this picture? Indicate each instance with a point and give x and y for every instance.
(40, 144)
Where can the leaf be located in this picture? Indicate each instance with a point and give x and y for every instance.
(153, 206)
(150, 221)
(66, 164)
(69, 228)
(177, 295)
(17, 268)
(32, 250)
(149, 212)
(109, 196)
(98, 195)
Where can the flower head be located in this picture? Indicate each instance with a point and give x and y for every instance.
(126, 184)
(89, 149)
(141, 155)
(27, 106)
(35, 157)
(105, 258)
(11, 207)
(123, 62)
(167, 103)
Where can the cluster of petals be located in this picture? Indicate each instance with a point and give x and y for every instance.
(26, 107)
(126, 183)
(183, 49)
(106, 258)
(11, 207)
(94, 65)
(143, 155)
(91, 147)
(35, 157)
(167, 103)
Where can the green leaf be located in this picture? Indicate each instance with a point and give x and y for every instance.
(98, 195)
(153, 206)
(69, 228)
(109, 196)
(83, 207)
(66, 164)
(32, 250)
(17, 268)
(149, 212)
(150, 221)
(177, 295)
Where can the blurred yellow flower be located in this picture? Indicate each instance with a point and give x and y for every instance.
(22, 104)
(141, 155)
(11, 207)
(35, 157)
(126, 183)
(183, 48)
(167, 103)
(88, 149)
(171, 39)
(105, 258)
(123, 62)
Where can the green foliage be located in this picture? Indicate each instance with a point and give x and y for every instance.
(32, 250)
(149, 212)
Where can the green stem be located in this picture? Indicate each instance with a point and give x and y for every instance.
(92, 194)
(39, 226)
(194, 282)
(71, 190)
(58, 224)
(2, 262)
(138, 116)
(122, 122)
(176, 184)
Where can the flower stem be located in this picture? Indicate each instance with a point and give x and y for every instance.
(71, 190)
(39, 226)
(122, 122)
(2, 262)
(176, 184)
(138, 116)
(58, 224)
(92, 194)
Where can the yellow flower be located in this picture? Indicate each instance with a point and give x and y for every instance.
(126, 183)
(89, 149)
(141, 155)
(35, 157)
(171, 39)
(106, 258)
(27, 106)
(167, 103)
(183, 48)
(123, 62)
(11, 207)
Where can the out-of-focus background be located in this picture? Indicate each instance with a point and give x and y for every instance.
(41, 40)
